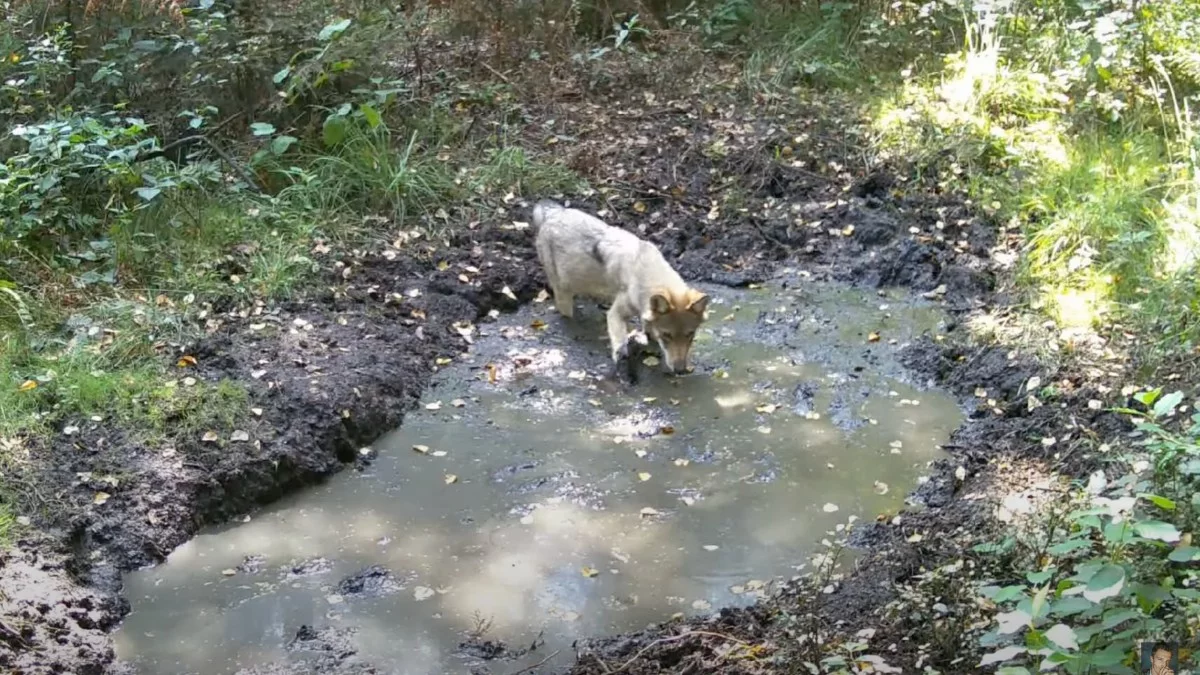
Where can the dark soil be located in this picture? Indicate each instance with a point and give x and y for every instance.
(700, 177)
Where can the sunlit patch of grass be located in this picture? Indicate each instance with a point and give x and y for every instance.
(512, 168)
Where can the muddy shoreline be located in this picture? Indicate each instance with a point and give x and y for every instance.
(334, 371)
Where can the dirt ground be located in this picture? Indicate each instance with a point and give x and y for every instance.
(729, 191)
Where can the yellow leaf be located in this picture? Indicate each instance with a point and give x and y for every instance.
(443, 266)
(682, 462)
(28, 384)
(848, 230)
(418, 314)
(209, 437)
(423, 449)
(767, 408)
(100, 497)
(873, 337)
(538, 324)
(491, 371)
(589, 572)
(542, 296)
(186, 361)
(443, 361)
(639, 207)
(451, 478)
(643, 476)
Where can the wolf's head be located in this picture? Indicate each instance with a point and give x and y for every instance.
(671, 320)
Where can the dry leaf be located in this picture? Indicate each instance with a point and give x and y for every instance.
(423, 449)
(27, 385)
(538, 324)
(682, 462)
(464, 278)
(491, 371)
(507, 292)
(768, 408)
(458, 403)
(256, 374)
(639, 207)
(186, 361)
(711, 547)
(436, 405)
(239, 436)
(423, 593)
(257, 412)
(589, 572)
(542, 296)
(829, 508)
(667, 430)
(643, 476)
(451, 479)
(209, 437)
(648, 511)
(443, 265)
(873, 337)
(651, 361)
(100, 497)
(443, 361)
(418, 314)
(229, 572)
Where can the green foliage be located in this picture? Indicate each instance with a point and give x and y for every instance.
(1119, 569)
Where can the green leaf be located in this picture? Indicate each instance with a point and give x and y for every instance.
(1117, 617)
(262, 129)
(371, 115)
(1157, 530)
(1106, 583)
(333, 30)
(1160, 502)
(1167, 403)
(1071, 605)
(1150, 597)
(334, 130)
(148, 193)
(280, 144)
(1009, 593)
(1147, 398)
(1039, 578)
(1069, 546)
(1118, 533)
(1184, 554)
(281, 75)
(1062, 636)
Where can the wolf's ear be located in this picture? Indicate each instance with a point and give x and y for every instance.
(697, 302)
(660, 304)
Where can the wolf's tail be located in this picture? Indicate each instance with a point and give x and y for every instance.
(541, 211)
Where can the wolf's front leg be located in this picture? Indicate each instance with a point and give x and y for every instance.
(618, 333)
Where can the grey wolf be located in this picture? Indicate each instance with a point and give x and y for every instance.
(582, 255)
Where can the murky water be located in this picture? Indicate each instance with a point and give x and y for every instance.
(541, 502)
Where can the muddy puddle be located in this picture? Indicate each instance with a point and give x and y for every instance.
(529, 501)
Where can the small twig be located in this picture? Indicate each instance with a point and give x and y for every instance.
(497, 73)
(537, 665)
(226, 157)
(674, 638)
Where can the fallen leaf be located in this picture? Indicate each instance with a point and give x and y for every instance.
(589, 572)
(711, 547)
(639, 207)
(542, 296)
(451, 478)
(229, 572)
(256, 374)
(643, 476)
(423, 593)
(651, 361)
(980, 392)
(458, 403)
(418, 314)
(28, 385)
(100, 497)
(873, 337)
(648, 511)
(507, 292)
(438, 453)
(702, 605)
(640, 453)
(443, 361)
(667, 430)
(423, 449)
(491, 371)
(239, 436)
(829, 508)
(538, 324)
(767, 408)
(464, 278)
(436, 405)
(443, 265)
(189, 381)
(210, 437)
(682, 462)
(650, 399)
(257, 412)
(186, 361)
(881, 488)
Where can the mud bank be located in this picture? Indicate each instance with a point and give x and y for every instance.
(330, 373)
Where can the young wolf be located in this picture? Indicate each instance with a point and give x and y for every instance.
(584, 256)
